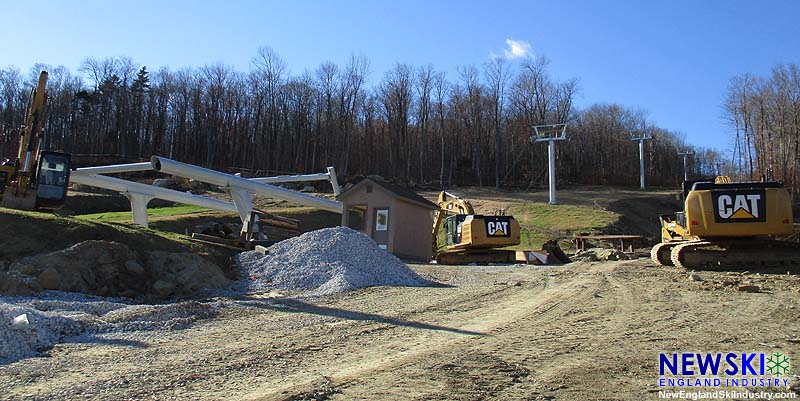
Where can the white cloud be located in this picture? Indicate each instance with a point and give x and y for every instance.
(517, 49)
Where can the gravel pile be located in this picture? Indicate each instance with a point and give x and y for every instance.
(30, 325)
(324, 262)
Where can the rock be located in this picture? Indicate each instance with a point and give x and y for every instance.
(308, 188)
(84, 267)
(26, 269)
(585, 256)
(164, 183)
(189, 271)
(695, 277)
(134, 268)
(197, 185)
(597, 254)
(749, 288)
(729, 282)
(50, 279)
(20, 322)
(163, 288)
(13, 284)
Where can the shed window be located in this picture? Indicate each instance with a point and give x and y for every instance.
(381, 219)
(369, 188)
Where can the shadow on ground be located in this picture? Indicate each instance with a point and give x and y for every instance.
(296, 306)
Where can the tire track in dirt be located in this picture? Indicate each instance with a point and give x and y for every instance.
(509, 342)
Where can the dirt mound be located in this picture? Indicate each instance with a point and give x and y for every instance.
(109, 268)
(323, 262)
(639, 215)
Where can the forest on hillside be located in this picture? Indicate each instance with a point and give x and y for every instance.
(415, 124)
(765, 115)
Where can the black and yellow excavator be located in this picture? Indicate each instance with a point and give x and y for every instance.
(729, 225)
(472, 237)
(35, 179)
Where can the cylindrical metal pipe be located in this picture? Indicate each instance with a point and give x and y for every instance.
(115, 168)
(291, 178)
(173, 167)
(641, 163)
(119, 185)
(685, 170)
(334, 181)
(551, 170)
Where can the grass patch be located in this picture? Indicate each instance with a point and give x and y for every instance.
(153, 213)
(562, 217)
(541, 222)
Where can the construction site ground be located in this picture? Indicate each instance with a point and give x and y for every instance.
(578, 332)
(582, 331)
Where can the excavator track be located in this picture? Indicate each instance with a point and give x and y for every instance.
(462, 257)
(735, 255)
(660, 253)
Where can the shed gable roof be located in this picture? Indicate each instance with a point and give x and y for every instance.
(394, 190)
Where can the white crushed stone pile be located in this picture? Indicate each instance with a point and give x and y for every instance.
(56, 317)
(324, 262)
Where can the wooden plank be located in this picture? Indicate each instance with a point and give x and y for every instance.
(217, 240)
(280, 232)
(280, 218)
(606, 237)
(280, 224)
(235, 248)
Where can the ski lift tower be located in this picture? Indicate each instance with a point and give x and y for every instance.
(551, 133)
(641, 137)
(686, 154)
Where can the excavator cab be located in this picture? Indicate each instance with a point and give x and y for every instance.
(452, 229)
(52, 180)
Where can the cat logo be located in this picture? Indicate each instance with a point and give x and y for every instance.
(498, 227)
(739, 206)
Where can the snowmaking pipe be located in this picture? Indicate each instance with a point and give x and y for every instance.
(238, 184)
(330, 176)
(115, 168)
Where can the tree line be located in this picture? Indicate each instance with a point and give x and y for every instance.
(764, 113)
(414, 124)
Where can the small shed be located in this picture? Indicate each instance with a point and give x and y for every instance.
(397, 218)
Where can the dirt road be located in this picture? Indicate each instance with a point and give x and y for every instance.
(578, 332)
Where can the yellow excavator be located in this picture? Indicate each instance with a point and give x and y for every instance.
(470, 237)
(35, 179)
(729, 225)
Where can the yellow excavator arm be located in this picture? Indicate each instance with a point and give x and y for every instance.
(32, 132)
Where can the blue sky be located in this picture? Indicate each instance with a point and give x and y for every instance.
(671, 58)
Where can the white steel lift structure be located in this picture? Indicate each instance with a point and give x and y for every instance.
(240, 189)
